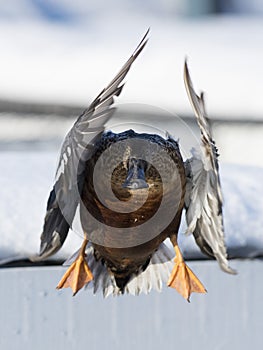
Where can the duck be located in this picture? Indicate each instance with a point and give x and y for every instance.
(129, 191)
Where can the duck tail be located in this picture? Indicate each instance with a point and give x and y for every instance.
(156, 273)
(153, 277)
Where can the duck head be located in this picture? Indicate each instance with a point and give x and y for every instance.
(135, 179)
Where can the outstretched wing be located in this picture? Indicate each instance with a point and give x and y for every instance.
(76, 149)
(203, 200)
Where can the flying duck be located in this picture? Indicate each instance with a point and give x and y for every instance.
(129, 191)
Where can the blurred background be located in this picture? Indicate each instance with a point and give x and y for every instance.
(56, 56)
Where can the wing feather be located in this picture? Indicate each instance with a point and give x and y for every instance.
(203, 199)
(76, 149)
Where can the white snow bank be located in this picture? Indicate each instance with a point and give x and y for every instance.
(27, 177)
(25, 181)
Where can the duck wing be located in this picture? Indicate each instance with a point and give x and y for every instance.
(203, 199)
(78, 146)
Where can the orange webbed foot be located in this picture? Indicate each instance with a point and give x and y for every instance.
(183, 279)
(78, 274)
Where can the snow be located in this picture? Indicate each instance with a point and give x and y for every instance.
(70, 59)
(25, 184)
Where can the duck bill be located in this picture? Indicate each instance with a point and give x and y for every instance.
(135, 179)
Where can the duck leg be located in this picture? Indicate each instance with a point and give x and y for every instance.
(182, 277)
(78, 274)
